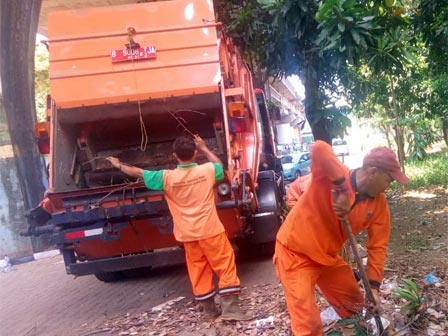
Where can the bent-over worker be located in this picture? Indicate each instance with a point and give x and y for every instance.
(308, 242)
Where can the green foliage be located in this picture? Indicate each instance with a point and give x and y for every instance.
(410, 294)
(421, 105)
(416, 243)
(336, 120)
(321, 42)
(348, 324)
(41, 80)
(432, 171)
(431, 21)
(346, 27)
(419, 139)
(280, 37)
(438, 102)
(271, 105)
(439, 95)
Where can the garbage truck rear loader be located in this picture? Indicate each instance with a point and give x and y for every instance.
(125, 82)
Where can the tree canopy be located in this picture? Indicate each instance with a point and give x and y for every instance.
(373, 53)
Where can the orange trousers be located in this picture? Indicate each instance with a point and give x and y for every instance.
(206, 257)
(299, 275)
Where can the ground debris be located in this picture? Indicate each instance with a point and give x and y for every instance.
(418, 247)
(267, 305)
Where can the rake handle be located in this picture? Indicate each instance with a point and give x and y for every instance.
(362, 271)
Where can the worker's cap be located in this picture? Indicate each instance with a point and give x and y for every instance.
(384, 158)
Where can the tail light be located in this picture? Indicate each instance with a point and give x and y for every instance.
(237, 120)
(237, 125)
(42, 133)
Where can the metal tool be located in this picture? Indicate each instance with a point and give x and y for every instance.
(362, 272)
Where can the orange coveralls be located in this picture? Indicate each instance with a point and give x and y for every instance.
(296, 189)
(309, 240)
(189, 193)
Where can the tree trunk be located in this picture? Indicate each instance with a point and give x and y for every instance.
(312, 104)
(258, 78)
(398, 131)
(445, 129)
(18, 27)
(385, 129)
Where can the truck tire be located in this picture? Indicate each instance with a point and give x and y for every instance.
(110, 276)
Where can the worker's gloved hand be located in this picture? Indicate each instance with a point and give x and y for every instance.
(200, 143)
(374, 308)
(114, 161)
(341, 204)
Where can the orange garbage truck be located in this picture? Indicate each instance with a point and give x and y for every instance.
(125, 81)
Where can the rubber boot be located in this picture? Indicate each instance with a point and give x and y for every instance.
(210, 310)
(230, 309)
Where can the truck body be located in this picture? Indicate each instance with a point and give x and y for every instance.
(125, 81)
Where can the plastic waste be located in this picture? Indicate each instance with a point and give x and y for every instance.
(389, 286)
(329, 315)
(6, 266)
(431, 279)
(265, 321)
(372, 323)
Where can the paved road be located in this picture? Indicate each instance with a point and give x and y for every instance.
(39, 299)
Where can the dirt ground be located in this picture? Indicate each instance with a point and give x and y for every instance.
(39, 299)
(418, 246)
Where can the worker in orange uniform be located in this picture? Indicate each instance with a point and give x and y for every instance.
(308, 242)
(189, 193)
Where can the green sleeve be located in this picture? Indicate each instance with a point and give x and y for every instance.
(153, 179)
(219, 171)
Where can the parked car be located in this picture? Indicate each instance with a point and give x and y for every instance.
(295, 165)
(340, 147)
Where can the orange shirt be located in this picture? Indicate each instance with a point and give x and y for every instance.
(312, 228)
(189, 193)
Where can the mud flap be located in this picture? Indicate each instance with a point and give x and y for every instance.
(267, 221)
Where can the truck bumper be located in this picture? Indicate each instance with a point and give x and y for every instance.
(173, 256)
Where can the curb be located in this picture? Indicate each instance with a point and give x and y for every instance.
(34, 256)
(46, 254)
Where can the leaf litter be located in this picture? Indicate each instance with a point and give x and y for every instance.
(418, 249)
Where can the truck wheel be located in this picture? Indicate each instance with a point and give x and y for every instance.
(110, 276)
(266, 222)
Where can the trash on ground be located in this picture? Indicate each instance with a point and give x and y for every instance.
(329, 315)
(374, 327)
(5, 265)
(268, 321)
(431, 279)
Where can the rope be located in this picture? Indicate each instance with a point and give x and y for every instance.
(143, 132)
(181, 121)
(117, 189)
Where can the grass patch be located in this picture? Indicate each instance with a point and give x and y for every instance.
(416, 243)
(431, 172)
